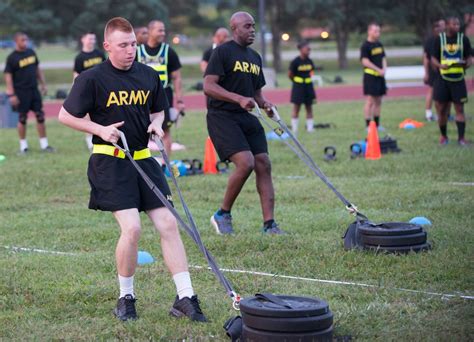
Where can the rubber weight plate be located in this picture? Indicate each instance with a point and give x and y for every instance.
(400, 249)
(389, 228)
(288, 324)
(301, 307)
(396, 240)
(255, 335)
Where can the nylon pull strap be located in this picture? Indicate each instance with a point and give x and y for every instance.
(273, 299)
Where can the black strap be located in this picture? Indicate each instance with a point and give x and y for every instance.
(268, 297)
(233, 328)
(192, 230)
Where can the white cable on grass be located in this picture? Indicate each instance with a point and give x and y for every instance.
(272, 275)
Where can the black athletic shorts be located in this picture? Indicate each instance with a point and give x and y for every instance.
(432, 75)
(30, 99)
(374, 85)
(167, 123)
(302, 93)
(236, 132)
(447, 91)
(117, 185)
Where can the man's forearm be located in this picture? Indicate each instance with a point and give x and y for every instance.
(215, 91)
(9, 84)
(40, 76)
(78, 124)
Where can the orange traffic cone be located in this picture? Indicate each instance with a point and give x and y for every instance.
(209, 158)
(373, 144)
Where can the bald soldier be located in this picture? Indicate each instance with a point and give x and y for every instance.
(161, 57)
(233, 80)
(220, 36)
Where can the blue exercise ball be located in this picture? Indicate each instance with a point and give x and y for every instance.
(178, 164)
(421, 221)
(144, 258)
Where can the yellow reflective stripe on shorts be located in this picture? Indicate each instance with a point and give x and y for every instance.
(110, 150)
(371, 72)
(298, 79)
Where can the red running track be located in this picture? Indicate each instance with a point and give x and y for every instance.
(282, 96)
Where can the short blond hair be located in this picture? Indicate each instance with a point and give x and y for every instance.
(117, 24)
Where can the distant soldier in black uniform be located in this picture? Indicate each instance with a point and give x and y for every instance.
(141, 33)
(123, 94)
(451, 55)
(161, 57)
(234, 81)
(220, 37)
(302, 91)
(22, 73)
(430, 72)
(372, 56)
(86, 59)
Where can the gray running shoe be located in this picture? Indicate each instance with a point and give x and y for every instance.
(273, 230)
(222, 223)
(23, 152)
(48, 149)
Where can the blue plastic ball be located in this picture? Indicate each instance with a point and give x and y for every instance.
(144, 258)
(421, 221)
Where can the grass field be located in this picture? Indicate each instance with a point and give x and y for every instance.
(70, 297)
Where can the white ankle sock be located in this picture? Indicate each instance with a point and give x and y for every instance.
(309, 124)
(429, 113)
(294, 125)
(184, 288)
(23, 144)
(43, 143)
(126, 286)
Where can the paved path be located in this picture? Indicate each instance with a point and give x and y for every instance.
(196, 102)
(286, 56)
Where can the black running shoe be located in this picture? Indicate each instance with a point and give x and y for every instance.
(125, 309)
(188, 307)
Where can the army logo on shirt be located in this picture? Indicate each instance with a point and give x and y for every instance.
(127, 98)
(27, 61)
(246, 67)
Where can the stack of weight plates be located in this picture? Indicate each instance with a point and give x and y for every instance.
(393, 237)
(277, 318)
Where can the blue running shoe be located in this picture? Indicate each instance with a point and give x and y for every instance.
(222, 223)
(273, 230)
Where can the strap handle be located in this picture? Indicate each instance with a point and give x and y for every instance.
(268, 297)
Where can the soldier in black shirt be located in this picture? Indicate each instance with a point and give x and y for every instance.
(22, 72)
(302, 91)
(121, 93)
(234, 81)
(372, 56)
(220, 36)
(430, 72)
(161, 57)
(451, 56)
(86, 59)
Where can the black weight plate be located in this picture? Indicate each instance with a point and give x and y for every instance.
(400, 249)
(396, 240)
(254, 335)
(301, 306)
(389, 228)
(288, 324)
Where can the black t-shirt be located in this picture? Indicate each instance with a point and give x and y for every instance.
(86, 60)
(112, 95)
(240, 71)
(206, 56)
(301, 67)
(374, 51)
(428, 47)
(23, 66)
(173, 59)
(452, 42)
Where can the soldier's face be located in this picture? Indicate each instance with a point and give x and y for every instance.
(440, 27)
(122, 48)
(88, 41)
(245, 29)
(158, 32)
(21, 42)
(374, 32)
(453, 25)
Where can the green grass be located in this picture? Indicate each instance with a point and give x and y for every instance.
(44, 205)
